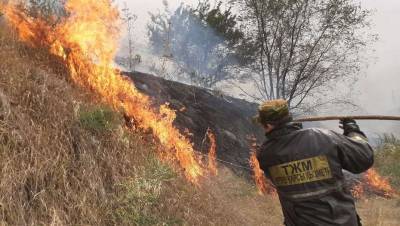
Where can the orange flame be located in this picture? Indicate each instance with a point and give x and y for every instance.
(212, 153)
(87, 40)
(259, 177)
(261, 181)
(378, 183)
(358, 191)
(374, 183)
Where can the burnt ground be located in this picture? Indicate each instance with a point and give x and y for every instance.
(229, 118)
(199, 109)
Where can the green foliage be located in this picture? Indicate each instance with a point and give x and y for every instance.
(387, 159)
(223, 22)
(142, 193)
(98, 120)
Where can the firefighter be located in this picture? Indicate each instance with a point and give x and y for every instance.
(306, 166)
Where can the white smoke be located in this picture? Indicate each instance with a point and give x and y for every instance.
(377, 90)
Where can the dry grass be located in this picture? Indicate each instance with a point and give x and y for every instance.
(387, 159)
(63, 162)
(54, 170)
(65, 159)
(379, 212)
(222, 200)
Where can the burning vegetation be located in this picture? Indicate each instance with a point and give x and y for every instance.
(212, 153)
(87, 42)
(264, 187)
(372, 183)
(68, 158)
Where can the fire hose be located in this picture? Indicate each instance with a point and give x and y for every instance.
(321, 118)
(355, 117)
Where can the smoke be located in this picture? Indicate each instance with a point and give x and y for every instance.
(377, 90)
(182, 47)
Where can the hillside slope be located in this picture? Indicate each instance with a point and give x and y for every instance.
(200, 109)
(68, 159)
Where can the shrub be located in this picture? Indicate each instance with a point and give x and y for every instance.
(388, 157)
(98, 120)
(142, 193)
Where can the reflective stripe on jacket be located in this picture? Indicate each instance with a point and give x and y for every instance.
(306, 167)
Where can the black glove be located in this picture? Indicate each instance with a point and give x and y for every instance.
(350, 126)
(297, 125)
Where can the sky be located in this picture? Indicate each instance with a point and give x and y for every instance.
(378, 88)
(142, 8)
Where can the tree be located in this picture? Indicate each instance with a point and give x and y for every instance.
(200, 41)
(129, 19)
(301, 47)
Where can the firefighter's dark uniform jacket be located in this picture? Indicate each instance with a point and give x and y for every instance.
(306, 167)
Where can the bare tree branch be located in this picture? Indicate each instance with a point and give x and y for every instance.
(304, 45)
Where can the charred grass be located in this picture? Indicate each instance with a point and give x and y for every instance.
(68, 159)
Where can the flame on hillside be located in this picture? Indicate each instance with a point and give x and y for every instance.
(259, 177)
(374, 182)
(357, 190)
(212, 153)
(377, 182)
(87, 41)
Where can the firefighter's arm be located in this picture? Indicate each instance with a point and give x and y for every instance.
(354, 151)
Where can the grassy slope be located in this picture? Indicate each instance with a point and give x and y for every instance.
(65, 159)
(379, 211)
